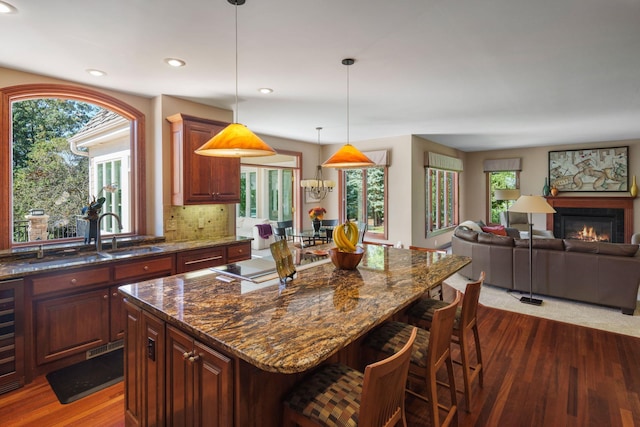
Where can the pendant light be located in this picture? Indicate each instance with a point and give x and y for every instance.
(236, 140)
(318, 187)
(348, 156)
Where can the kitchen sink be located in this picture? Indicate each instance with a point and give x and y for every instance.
(61, 261)
(127, 252)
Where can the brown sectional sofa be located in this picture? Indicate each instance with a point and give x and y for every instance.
(593, 272)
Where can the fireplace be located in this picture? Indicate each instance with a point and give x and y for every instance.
(601, 219)
(592, 224)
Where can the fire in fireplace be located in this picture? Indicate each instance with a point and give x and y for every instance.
(587, 229)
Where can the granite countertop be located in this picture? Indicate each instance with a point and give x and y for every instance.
(294, 327)
(23, 262)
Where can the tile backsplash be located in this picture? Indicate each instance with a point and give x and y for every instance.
(201, 222)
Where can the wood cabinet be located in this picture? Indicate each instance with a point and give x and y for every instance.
(200, 258)
(12, 375)
(238, 252)
(81, 310)
(200, 179)
(199, 383)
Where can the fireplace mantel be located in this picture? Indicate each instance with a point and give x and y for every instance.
(625, 203)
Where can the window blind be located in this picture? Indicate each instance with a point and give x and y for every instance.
(379, 157)
(499, 165)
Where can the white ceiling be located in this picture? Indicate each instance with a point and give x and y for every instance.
(471, 74)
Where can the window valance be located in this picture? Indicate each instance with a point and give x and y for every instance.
(440, 161)
(379, 157)
(499, 165)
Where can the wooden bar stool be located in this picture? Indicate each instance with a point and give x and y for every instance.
(431, 351)
(466, 323)
(337, 395)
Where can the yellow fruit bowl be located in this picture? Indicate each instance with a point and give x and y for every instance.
(346, 260)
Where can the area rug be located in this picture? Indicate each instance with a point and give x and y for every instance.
(77, 381)
(577, 313)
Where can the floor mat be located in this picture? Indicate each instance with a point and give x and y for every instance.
(82, 379)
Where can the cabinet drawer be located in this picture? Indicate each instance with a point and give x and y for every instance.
(201, 258)
(148, 267)
(77, 279)
(239, 252)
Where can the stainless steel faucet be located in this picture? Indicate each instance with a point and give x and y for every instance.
(98, 236)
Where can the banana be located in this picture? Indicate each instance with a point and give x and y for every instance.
(353, 236)
(340, 238)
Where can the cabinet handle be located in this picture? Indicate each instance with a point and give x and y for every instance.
(213, 258)
(194, 358)
(240, 251)
(105, 296)
(145, 268)
(186, 355)
(74, 281)
(115, 294)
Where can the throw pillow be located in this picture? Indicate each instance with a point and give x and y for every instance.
(471, 225)
(495, 229)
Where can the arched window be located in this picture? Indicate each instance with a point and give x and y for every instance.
(63, 146)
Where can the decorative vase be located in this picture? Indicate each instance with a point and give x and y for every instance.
(554, 191)
(316, 225)
(546, 190)
(634, 187)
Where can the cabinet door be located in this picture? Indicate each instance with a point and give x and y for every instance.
(133, 354)
(213, 388)
(117, 315)
(225, 179)
(71, 324)
(179, 379)
(153, 370)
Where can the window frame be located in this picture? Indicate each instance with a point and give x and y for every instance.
(454, 216)
(24, 92)
(342, 182)
(489, 195)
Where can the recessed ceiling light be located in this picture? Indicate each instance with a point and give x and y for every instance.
(7, 8)
(175, 62)
(265, 90)
(96, 73)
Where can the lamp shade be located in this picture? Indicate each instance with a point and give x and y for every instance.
(348, 157)
(531, 204)
(236, 140)
(506, 194)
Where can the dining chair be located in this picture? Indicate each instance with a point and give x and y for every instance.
(337, 395)
(431, 352)
(328, 225)
(288, 228)
(465, 324)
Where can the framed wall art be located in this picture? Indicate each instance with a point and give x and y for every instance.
(590, 170)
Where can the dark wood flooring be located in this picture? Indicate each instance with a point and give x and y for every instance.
(538, 373)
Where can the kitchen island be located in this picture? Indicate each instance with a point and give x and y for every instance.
(211, 352)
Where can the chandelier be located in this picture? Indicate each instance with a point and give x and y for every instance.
(318, 187)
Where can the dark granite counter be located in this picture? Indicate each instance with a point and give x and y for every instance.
(294, 327)
(23, 262)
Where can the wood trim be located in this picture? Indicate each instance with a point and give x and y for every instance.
(30, 91)
(624, 202)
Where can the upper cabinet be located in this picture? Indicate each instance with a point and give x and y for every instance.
(200, 179)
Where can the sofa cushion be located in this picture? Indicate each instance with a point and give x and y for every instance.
(495, 229)
(571, 245)
(552, 244)
(494, 239)
(466, 234)
(603, 248)
(471, 225)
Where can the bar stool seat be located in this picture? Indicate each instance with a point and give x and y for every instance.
(337, 395)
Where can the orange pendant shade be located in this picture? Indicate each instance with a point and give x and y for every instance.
(348, 157)
(235, 140)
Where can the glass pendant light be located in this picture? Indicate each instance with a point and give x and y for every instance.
(348, 156)
(236, 140)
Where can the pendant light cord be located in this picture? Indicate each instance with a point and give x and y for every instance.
(236, 119)
(348, 103)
